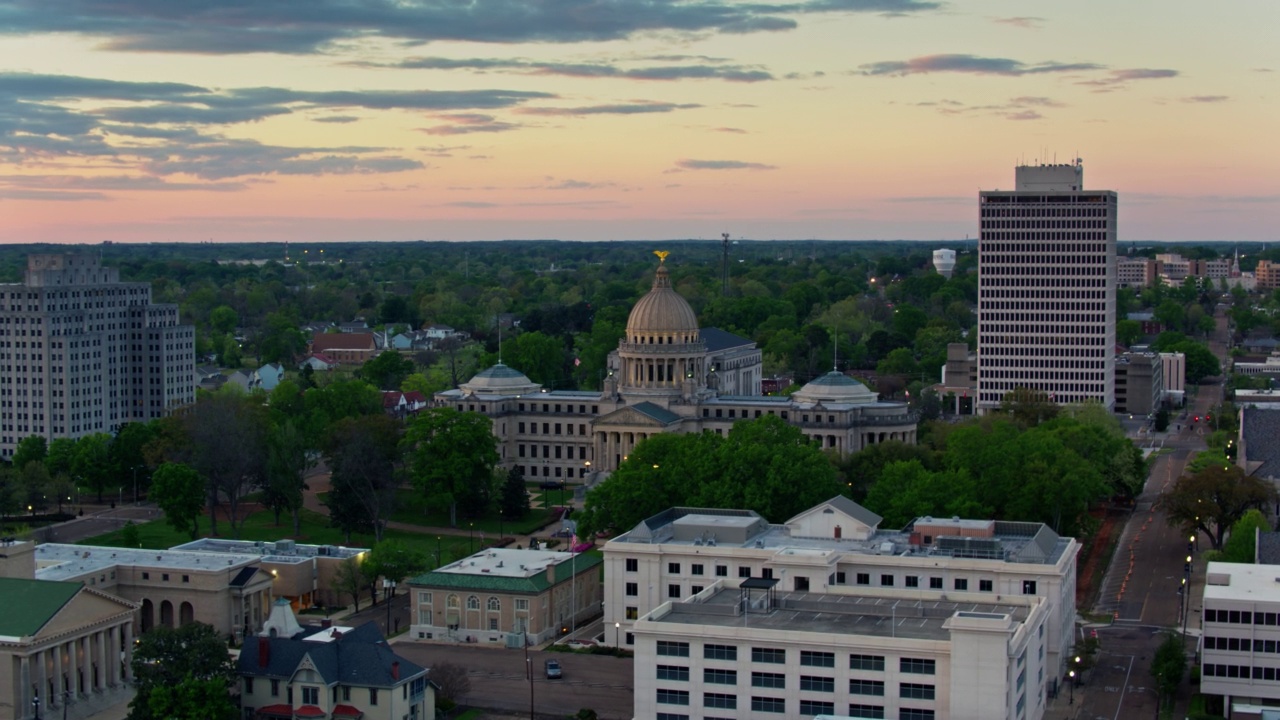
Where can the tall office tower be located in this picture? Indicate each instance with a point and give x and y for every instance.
(83, 353)
(1047, 288)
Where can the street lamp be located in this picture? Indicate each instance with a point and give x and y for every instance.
(617, 630)
(389, 586)
(1071, 683)
(35, 704)
(437, 551)
(472, 530)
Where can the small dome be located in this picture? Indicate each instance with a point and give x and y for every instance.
(834, 387)
(500, 380)
(662, 311)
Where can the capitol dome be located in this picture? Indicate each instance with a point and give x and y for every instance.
(834, 388)
(662, 313)
(500, 380)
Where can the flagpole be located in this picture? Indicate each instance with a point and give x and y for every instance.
(573, 585)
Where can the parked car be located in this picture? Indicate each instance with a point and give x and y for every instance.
(551, 484)
(553, 670)
(580, 644)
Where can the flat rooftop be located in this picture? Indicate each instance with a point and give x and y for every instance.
(56, 561)
(909, 618)
(1243, 582)
(1019, 542)
(282, 551)
(504, 562)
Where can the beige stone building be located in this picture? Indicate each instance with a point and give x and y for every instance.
(506, 597)
(65, 649)
(231, 592)
(300, 573)
(667, 375)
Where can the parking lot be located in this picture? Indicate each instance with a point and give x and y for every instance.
(499, 681)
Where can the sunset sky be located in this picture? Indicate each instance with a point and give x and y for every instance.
(313, 120)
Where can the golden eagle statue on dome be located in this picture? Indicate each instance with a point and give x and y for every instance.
(662, 255)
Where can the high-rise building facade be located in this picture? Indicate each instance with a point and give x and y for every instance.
(1047, 288)
(83, 353)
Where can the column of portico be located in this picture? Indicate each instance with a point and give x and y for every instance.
(100, 639)
(128, 649)
(86, 663)
(72, 667)
(24, 685)
(41, 675)
(113, 653)
(56, 697)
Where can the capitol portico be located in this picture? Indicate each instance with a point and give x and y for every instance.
(667, 375)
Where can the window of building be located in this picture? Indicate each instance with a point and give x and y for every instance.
(722, 571)
(866, 687)
(917, 666)
(716, 676)
(672, 648)
(912, 581)
(984, 586)
(817, 684)
(671, 716)
(871, 712)
(522, 604)
(310, 696)
(867, 662)
(813, 658)
(248, 686)
(813, 708)
(673, 672)
(862, 579)
(494, 604)
(769, 705)
(673, 697)
(633, 565)
(935, 583)
(915, 691)
(275, 688)
(633, 589)
(768, 680)
(744, 571)
(719, 652)
(777, 656)
(673, 568)
(473, 602)
(962, 583)
(673, 591)
(1028, 587)
(696, 569)
(722, 701)
(915, 714)
(886, 580)
(373, 696)
(632, 613)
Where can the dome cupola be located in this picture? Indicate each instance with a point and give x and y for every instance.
(834, 388)
(662, 316)
(500, 380)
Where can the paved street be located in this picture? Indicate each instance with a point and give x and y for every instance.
(499, 680)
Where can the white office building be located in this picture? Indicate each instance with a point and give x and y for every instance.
(1047, 288)
(84, 353)
(740, 650)
(1240, 641)
(837, 547)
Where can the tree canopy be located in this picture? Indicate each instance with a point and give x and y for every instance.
(179, 492)
(1213, 499)
(765, 464)
(173, 667)
(450, 454)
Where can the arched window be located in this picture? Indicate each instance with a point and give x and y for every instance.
(473, 603)
(451, 602)
(494, 604)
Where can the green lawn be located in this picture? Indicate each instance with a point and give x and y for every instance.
(412, 511)
(157, 535)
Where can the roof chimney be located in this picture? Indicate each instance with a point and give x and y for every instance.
(264, 652)
(395, 670)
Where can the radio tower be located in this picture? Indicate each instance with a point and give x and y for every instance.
(724, 266)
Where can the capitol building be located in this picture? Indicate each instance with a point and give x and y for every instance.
(667, 375)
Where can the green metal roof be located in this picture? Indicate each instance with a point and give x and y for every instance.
(496, 583)
(30, 604)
